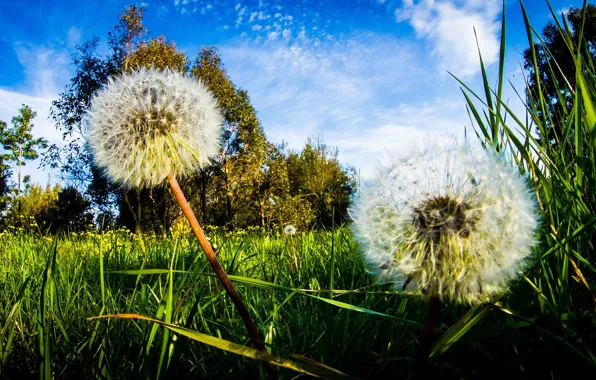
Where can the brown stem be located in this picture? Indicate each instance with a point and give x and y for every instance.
(255, 336)
(430, 325)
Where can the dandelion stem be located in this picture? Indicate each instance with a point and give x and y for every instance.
(255, 336)
(431, 321)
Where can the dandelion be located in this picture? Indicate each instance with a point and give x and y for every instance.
(148, 126)
(289, 230)
(448, 222)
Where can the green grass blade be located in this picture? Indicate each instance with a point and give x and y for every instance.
(451, 336)
(306, 367)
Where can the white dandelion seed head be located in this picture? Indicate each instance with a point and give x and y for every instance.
(147, 124)
(447, 220)
(289, 230)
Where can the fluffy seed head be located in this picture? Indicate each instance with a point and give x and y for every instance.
(289, 230)
(147, 124)
(447, 221)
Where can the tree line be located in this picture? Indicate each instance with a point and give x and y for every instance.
(252, 182)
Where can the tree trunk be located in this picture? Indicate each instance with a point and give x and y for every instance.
(20, 164)
(135, 217)
(204, 182)
(138, 220)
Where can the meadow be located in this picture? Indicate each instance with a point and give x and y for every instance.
(163, 314)
(329, 310)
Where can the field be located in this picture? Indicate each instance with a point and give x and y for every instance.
(371, 330)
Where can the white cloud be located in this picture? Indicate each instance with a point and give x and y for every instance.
(73, 37)
(366, 94)
(204, 10)
(46, 69)
(10, 102)
(287, 33)
(448, 26)
(46, 73)
(272, 35)
(257, 27)
(253, 15)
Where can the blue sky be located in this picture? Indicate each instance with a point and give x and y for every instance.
(369, 76)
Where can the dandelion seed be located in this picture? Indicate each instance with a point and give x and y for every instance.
(151, 125)
(289, 230)
(148, 124)
(447, 221)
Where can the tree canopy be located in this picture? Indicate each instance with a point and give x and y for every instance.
(553, 76)
(251, 181)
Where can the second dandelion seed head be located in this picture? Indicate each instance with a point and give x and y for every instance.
(448, 221)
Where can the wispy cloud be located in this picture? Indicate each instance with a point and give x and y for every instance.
(46, 72)
(448, 26)
(361, 94)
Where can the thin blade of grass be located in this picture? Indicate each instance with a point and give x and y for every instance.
(306, 367)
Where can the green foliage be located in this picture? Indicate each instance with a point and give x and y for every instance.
(69, 213)
(550, 66)
(557, 298)
(159, 54)
(5, 173)
(28, 210)
(236, 190)
(317, 176)
(50, 210)
(19, 141)
(359, 330)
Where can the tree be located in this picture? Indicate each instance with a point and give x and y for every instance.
(28, 210)
(5, 174)
(19, 141)
(91, 73)
(249, 169)
(70, 212)
(316, 175)
(556, 68)
(235, 191)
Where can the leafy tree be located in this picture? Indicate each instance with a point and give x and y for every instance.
(556, 69)
(316, 175)
(248, 183)
(29, 209)
(70, 212)
(249, 169)
(19, 141)
(91, 73)
(158, 54)
(5, 174)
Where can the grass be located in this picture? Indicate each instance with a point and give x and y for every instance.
(162, 313)
(362, 329)
(65, 282)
